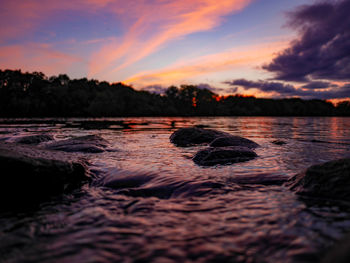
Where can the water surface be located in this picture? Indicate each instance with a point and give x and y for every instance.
(172, 210)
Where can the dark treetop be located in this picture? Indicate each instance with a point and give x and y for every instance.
(35, 95)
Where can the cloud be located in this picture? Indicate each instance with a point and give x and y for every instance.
(322, 50)
(217, 62)
(318, 85)
(143, 26)
(217, 90)
(334, 91)
(154, 24)
(264, 86)
(158, 89)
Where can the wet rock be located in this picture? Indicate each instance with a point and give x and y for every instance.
(279, 142)
(223, 155)
(193, 136)
(30, 173)
(232, 140)
(34, 139)
(327, 180)
(85, 144)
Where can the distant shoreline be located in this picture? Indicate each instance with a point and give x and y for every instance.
(34, 95)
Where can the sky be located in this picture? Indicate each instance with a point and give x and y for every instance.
(265, 48)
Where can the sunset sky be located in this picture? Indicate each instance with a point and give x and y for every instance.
(266, 48)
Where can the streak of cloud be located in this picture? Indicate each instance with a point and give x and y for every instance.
(158, 23)
(218, 62)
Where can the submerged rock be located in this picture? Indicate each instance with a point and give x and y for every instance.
(327, 180)
(32, 173)
(34, 139)
(279, 142)
(192, 136)
(223, 155)
(232, 140)
(86, 144)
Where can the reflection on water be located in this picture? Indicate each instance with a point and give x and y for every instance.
(167, 209)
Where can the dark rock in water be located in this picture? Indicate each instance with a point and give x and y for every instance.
(327, 180)
(34, 139)
(232, 140)
(279, 142)
(223, 155)
(86, 144)
(193, 136)
(31, 173)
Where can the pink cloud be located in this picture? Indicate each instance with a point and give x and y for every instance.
(155, 23)
(36, 57)
(148, 26)
(23, 17)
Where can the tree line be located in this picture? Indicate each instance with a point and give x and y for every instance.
(36, 95)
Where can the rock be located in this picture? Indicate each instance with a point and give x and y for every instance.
(30, 173)
(86, 144)
(232, 140)
(34, 139)
(193, 136)
(279, 142)
(223, 155)
(327, 180)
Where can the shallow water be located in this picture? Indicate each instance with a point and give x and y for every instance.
(150, 203)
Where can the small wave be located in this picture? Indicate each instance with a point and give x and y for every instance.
(145, 184)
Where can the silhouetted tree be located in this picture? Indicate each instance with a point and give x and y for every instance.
(35, 95)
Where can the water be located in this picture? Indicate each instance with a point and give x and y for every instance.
(171, 210)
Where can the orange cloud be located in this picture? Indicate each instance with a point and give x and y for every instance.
(155, 24)
(247, 56)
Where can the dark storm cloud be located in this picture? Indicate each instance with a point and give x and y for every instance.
(266, 86)
(318, 85)
(286, 90)
(323, 49)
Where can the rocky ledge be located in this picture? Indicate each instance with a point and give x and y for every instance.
(29, 172)
(327, 180)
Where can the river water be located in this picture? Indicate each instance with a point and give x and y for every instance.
(172, 210)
